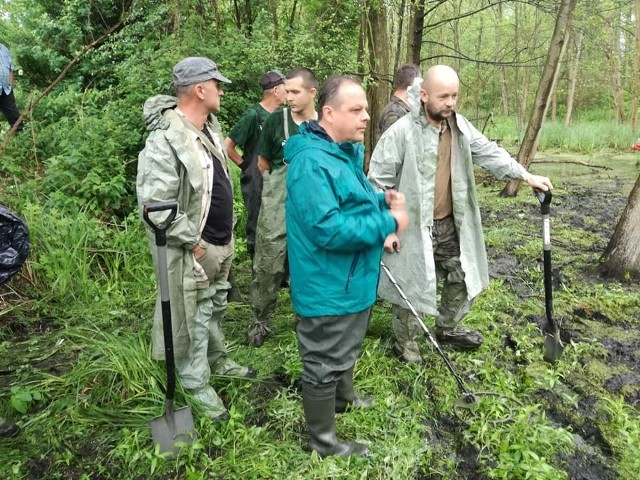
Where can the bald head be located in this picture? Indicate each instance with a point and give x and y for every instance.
(439, 93)
(440, 75)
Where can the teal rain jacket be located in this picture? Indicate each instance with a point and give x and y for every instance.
(405, 159)
(336, 225)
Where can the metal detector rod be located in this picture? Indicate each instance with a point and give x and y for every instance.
(433, 341)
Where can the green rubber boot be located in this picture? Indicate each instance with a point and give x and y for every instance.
(319, 413)
(346, 396)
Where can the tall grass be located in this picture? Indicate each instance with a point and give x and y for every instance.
(77, 260)
(581, 137)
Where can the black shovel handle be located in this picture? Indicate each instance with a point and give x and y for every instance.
(545, 207)
(160, 230)
(545, 201)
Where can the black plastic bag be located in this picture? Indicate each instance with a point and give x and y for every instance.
(14, 243)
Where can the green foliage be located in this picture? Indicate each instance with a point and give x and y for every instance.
(77, 262)
(21, 398)
(623, 434)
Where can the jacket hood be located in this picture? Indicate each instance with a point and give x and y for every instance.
(312, 136)
(153, 110)
(413, 92)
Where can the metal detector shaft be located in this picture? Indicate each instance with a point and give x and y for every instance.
(432, 339)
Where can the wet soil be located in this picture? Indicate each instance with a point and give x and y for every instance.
(596, 213)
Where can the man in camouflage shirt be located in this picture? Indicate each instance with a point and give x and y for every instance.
(398, 106)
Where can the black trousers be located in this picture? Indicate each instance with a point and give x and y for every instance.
(251, 186)
(9, 108)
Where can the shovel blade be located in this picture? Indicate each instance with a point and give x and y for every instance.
(553, 347)
(173, 427)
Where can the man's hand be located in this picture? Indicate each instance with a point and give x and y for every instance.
(263, 164)
(538, 182)
(198, 252)
(401, 218)
(394, 199)
(392, 243)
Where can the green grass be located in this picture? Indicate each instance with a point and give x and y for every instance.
(77, 357)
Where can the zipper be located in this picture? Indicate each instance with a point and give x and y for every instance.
(352, 270)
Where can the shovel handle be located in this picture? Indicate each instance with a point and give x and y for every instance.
(545, 200)
(545, 207)
(160, 229)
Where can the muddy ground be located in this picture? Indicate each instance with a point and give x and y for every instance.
(593, 212)
(580, 209)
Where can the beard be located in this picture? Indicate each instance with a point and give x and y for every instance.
(437, 115)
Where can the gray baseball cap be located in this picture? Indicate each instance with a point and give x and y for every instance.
(196, 70)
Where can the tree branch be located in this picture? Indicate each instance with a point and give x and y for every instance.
(575, 162)
(62, 74)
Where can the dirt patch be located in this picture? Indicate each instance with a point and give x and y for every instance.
(444, 439)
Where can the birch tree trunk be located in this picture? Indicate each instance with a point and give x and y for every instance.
(621, 258)
(552, 64)
(573, 77)
(613, 55)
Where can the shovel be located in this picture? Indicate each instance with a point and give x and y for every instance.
(553, 346)
(175, 426)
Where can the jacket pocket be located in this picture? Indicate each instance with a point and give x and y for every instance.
(354, 264)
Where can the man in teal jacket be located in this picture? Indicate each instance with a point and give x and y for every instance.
(336, 228)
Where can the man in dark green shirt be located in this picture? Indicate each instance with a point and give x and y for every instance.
(271, 234)
(246, 134)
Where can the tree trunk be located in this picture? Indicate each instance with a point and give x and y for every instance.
(400, 35)
(573, 77)
(416, 31)
(292, 17)
(556, 77)
(532, 134)
(516, 40)
(478, 80)
(636, 71)
(379, 61)
(176, 17)
(504, 91)
(275, 19)
(621, 258)
(613, 52)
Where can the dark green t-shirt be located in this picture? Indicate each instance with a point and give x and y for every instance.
(248, 130)
(272, 140)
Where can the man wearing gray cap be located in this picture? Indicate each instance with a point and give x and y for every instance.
(246, 134)
(184, 161)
